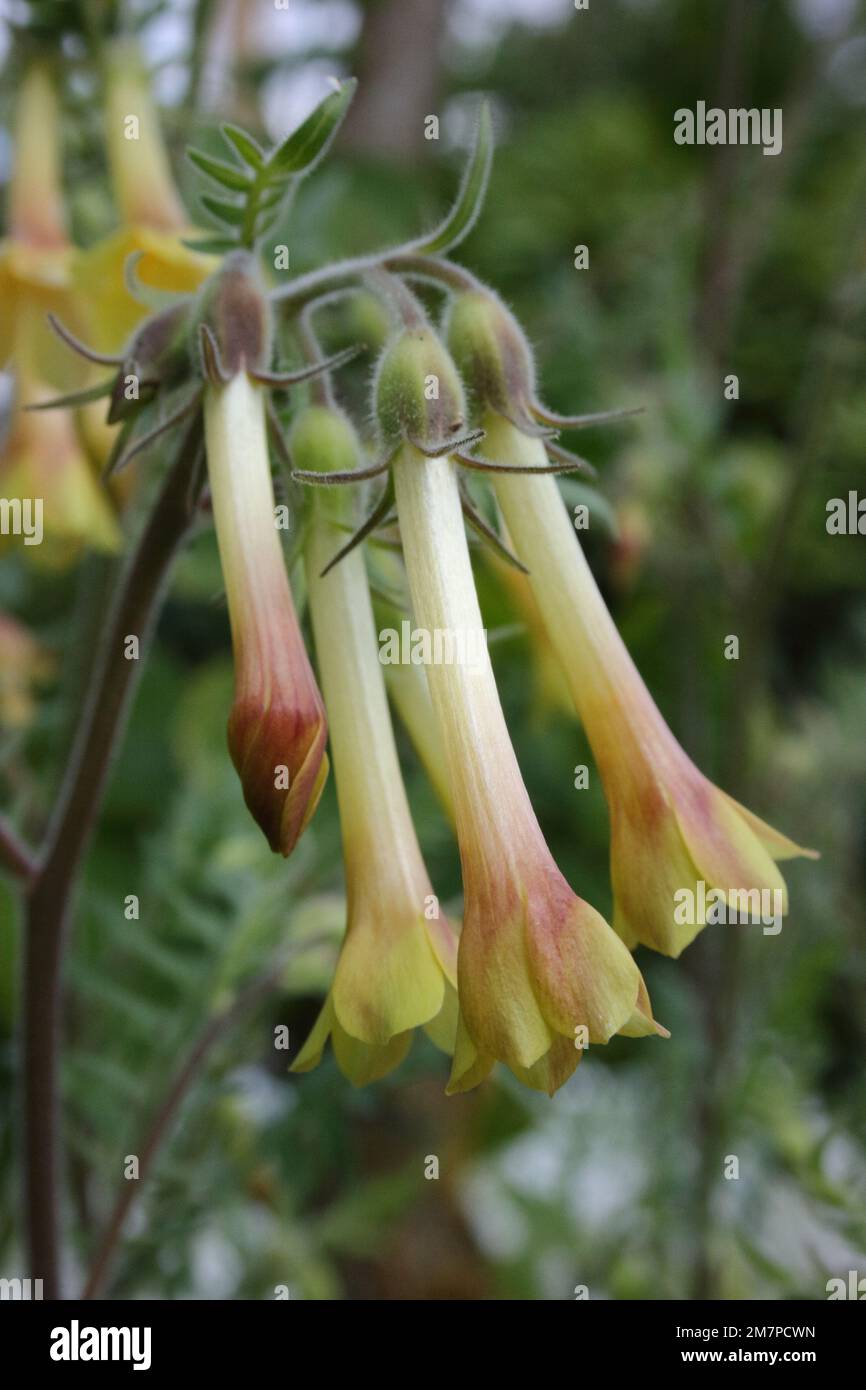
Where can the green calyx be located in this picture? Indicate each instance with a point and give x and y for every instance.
(419, 395)
(491, 352)
(322, 440)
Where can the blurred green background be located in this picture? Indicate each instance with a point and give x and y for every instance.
(702, 262)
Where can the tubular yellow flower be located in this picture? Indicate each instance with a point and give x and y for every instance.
(35, 257)
(671, 828)
(277, 728)
(140, 171)
(397, 965)
(537, 965)
(35, 203)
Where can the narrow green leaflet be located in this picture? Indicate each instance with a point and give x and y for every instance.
(210, 246)
(229, 175)
(251, 153)
(233, 213)
(306, 145)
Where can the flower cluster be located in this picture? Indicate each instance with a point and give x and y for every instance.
(535, 974)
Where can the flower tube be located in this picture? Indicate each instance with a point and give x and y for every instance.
(540, 972)
(397, 966)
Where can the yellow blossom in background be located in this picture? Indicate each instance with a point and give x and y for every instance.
(153, 220)
(42, 463)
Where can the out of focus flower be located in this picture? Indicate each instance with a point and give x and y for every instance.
(634, 534)
(44, 467)
(397, 966)
(152, 216)
(42, 463)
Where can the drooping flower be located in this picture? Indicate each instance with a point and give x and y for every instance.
(540, 973)
(671, 829)
(277, 728)
(397, 966)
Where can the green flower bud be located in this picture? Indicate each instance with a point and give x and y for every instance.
(418, 393)
(322, 440)
(491, 352)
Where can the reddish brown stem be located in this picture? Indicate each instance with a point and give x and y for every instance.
(49, 900)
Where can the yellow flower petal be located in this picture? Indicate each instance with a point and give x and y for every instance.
(553, 1069)
(361, 1063)
(779, 846)
(98, 274)
(470, 1067)
(387, 978)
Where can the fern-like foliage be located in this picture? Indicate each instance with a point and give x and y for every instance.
(255, 184)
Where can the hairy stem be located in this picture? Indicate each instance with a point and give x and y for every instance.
(343, 275)
(49, 900)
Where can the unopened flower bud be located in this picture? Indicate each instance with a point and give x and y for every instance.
(419, 395)
(322, 441)
(157, 358)
(277, 728)
(235, 308)
(492, 353)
